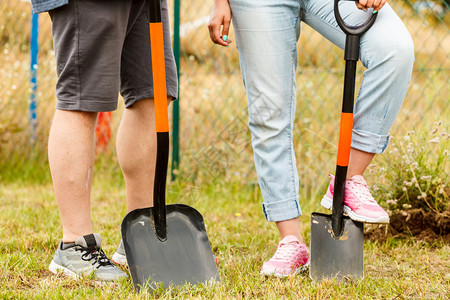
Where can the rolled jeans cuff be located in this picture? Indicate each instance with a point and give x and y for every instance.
(282, 210)
(369, 142)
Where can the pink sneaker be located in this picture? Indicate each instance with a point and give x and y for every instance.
(291, 258)
(359, 204)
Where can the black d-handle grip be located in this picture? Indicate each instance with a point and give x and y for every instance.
(353, 30)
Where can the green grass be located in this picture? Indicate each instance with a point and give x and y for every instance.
(240, 237)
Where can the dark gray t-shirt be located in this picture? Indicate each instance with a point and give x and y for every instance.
(46, 5)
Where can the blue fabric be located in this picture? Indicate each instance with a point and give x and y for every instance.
(46, 5)
(267, 33)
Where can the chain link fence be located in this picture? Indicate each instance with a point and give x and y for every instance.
(23, 142)
(214, 138)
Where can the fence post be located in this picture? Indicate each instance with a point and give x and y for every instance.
(176, 104)
(34, 45)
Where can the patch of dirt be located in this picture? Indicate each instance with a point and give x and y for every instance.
(416, 223)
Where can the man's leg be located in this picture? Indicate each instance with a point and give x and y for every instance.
(71, 158)
(136, 152)
(88, 60)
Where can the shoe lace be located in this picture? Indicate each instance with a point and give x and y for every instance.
(285, 252)
(96, 254)
(360, 189)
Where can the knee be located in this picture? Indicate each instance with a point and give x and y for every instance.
(404, 53)
(395, 53)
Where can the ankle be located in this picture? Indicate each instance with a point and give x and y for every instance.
(351, 174)
(71, 237)
(289, 227)
(298, 236)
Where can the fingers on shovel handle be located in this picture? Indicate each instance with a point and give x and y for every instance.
(353, 30)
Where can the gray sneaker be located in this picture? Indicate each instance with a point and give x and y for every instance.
(119, 257)
(83, 257)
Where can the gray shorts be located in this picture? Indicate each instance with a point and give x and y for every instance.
(103, 47)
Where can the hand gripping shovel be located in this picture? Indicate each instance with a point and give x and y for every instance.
(165, 245)
(337, 242)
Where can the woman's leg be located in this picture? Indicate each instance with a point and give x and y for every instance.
(387, 51)
(266, 37)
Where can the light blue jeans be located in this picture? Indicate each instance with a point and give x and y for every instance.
(267, 32)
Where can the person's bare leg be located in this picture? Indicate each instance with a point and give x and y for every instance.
(136, 152)
(359, 161)
(290, 227)
(71, 159)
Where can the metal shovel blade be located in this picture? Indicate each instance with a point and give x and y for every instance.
(336, 258)
(184, 257)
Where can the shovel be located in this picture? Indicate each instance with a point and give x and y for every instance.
(165, 245)
(337, 242)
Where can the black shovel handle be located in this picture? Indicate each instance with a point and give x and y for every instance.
(351, 56)
(161, 118)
